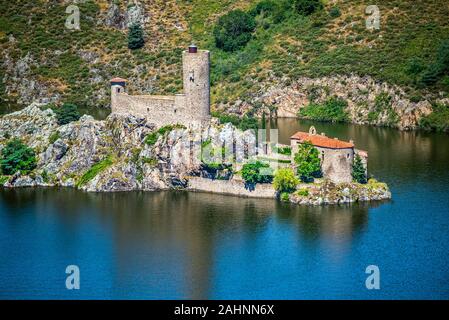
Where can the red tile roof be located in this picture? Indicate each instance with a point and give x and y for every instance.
(322, 141)
(119, 80)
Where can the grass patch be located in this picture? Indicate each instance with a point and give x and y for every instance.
(95, 170)
(152, 138)
(3, 180)
(333, 110)
(53, 137)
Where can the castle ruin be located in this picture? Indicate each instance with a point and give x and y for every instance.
(189, 108)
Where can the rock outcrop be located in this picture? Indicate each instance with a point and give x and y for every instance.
(362, 95)
(108, 155)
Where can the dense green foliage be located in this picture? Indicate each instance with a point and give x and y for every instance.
(334, 110)
(243, 123)
(17, 156)
(358, 170)
(307, 7)
(440, 67)
(257, 172)
(308, 164)
(436, 121)
(67, 113)
(283, 150)
(233, 30)
(95, 170)
(135, 37)
(285, 180)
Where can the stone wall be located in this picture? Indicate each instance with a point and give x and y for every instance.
(232, 187)
(160, 110)
(336, 164)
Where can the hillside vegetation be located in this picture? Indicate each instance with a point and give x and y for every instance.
(43, 59)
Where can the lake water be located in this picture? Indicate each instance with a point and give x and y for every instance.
(170, 245)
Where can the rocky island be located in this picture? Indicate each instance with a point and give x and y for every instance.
(126, 152)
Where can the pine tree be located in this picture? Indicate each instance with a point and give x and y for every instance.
(358, 170)
(135, 37)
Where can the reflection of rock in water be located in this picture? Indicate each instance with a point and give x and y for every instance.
(335, 225)
(177, 233)
(187, 223)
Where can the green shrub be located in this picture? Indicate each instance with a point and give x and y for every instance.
(358, 170)
(276, 10)
(67, 113)
(285, 196)
(257, 172)
(243, 123)
(152, 138)
(439, 68)
(303, 192)
(3, 180)
(53, 137)
(334, 12)
(17, 156)
(334, 110)
(308, 164)
(285, 180)
(233, 30)
(307, 7)
(151, 161)
(44, 176)
(95, 170)
(438, 120)
(135, 37)
(283, 150)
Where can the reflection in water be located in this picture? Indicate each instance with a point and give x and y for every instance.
(181, 230)
(170, 245)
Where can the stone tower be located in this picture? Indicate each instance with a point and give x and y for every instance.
(196, 65)
(118, 85)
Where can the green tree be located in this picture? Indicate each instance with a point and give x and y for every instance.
(257, 172)
(335, 12)
(67, 113)
(285, 180)
(358, 170)
(233, 30)
(308, 164)
(17, 156)
(440, 67)
(135, 37)
(307, 7)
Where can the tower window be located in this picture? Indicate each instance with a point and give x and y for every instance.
(148, 109)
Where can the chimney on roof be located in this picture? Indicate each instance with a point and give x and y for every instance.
(323, 134)
(335, 138)
(351, 141)
(193, 48)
